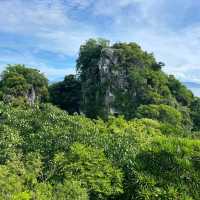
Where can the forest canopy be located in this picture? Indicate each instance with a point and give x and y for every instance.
(119, 129)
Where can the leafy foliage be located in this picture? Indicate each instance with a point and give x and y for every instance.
(21, 84)
(131, 75)
(195, 113)
(182, 94)
(163, 113)
(149, 153)
(87, 67)
(66, 94)
(61, 156)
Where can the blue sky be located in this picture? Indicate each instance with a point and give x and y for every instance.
(46, 34)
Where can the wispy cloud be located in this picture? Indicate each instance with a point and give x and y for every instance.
(46, 22)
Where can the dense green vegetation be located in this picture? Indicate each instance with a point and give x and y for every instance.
(150, 152)
(48, 154)
(139, 80)
(66, 94)
(23, 85)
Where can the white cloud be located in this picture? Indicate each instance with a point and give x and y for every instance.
(47, 22)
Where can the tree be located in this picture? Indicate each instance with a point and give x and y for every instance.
(10, 140)
(70, 190)
(181, 93)
(48, 155)
(19, 82)
(195, 113)
(89, 166)
(117, 79)
(66, 94)
(163, 113)
(87, 68)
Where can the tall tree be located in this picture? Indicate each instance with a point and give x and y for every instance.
(183, 95)
(66, 94)
(195, 113)
(88, 70)
(18, 81)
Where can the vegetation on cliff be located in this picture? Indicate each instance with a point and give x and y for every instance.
(81, 150)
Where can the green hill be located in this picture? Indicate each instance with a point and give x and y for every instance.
(124, 130)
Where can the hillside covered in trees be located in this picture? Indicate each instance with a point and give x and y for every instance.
(119, 129)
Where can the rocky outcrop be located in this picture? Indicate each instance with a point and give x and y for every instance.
(113, 77)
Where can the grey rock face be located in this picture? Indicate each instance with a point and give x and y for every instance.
(112, 76)
(31, 96)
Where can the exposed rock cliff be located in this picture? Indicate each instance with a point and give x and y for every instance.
(118, 79)
(112, 78)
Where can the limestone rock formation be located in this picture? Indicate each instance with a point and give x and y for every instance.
(112, 78)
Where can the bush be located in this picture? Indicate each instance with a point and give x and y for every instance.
(163, 113)
(61, 156)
